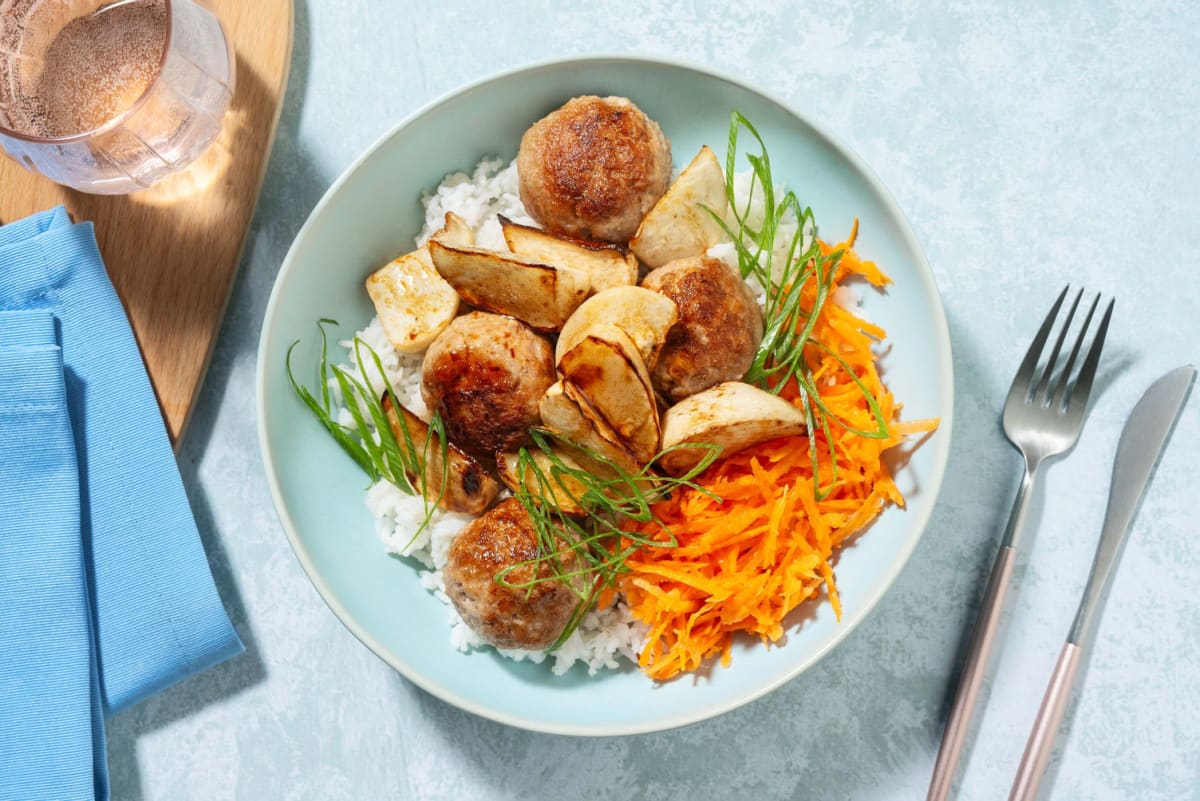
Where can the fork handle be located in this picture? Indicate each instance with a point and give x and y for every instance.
(1045, 728)
(974, 670)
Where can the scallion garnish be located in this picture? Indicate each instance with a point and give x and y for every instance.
(372, 442)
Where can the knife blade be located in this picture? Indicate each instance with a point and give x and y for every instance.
(1141, 444)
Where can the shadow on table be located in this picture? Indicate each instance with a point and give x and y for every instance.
(247, 670)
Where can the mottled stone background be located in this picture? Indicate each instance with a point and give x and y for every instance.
(1030, 145)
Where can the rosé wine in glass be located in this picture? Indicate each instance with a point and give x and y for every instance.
(111, 96)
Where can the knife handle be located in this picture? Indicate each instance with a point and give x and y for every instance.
(1045, 727)
(973, 673)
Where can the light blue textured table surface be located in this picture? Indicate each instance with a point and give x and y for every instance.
(1029, 147)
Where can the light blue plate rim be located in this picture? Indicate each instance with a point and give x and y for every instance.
(941, 443)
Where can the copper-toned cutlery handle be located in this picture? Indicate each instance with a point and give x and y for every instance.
(1045, 728)
(974, 670)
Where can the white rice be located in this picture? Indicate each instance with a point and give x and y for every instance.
(605, 636)
(490, 190)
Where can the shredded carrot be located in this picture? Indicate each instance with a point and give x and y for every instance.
(747, 560)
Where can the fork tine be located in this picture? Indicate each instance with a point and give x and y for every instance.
(1058, 397)
(1040, 394)
(1088, 372)
(1024, 377)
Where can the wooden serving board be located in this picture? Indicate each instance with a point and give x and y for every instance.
(173, 250)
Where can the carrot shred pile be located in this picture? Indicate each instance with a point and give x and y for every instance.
(745, 561)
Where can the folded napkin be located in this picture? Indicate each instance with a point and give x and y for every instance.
(105, 592)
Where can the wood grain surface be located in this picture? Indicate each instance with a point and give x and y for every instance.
(173, 250)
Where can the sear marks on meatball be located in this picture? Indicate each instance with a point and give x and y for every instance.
(593, 168)
(719, 328)
(506, 617)
(486, 374)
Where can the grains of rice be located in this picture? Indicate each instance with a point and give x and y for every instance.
(490, 190)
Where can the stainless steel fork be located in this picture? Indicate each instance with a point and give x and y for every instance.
(1042, 418)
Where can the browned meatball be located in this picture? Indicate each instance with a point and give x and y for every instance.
(593, 168)
(485, 374)
(505, 617)
(719, 328)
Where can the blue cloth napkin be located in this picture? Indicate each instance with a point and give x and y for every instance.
(105, 591)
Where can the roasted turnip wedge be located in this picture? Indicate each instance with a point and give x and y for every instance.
(469, 488)
(562, 490)
(606, 265)
(562, 412)
(733, 415)
(607, 369)
(413, 302)
(677, 226)
(541, 295)
(643, 314)
(455, 232)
